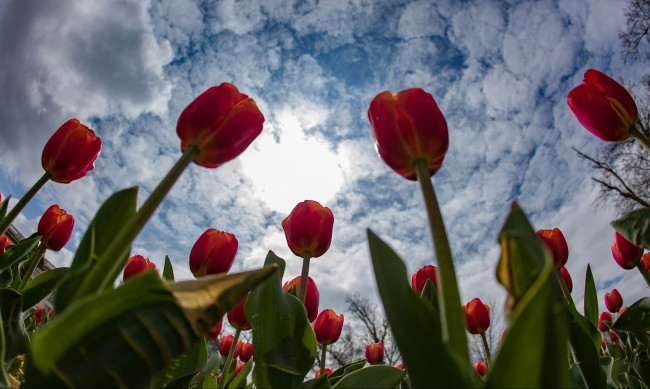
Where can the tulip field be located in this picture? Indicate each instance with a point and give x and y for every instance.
(118, 321)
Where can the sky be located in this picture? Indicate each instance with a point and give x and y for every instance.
(499, 70)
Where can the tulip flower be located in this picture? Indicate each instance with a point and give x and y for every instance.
(408, 127)
(226, 344)
(419, 278)
(554, 240)
(246, 351)
(604, 316)
(613, 336)
(477, 316)
(237, 317)
(308, 229)
(137, 264)
(221, 123)
(213, 334)
(238, 367)
(328, 327)
(55, 227)
(625, 253)
(613, 301)
(71, 152)
(567, 278)
(645, 261)
(375, 353)
(603, 107)
(400, 366)
(328, 371)
(4, 243)
(481, 368)
(214, 252)
(38, 315)
(312, 296)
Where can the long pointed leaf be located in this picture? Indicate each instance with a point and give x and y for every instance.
(372, 377)
(11, 309)
(168, 270)
(39, 287)
(18, 252)
(591, 300)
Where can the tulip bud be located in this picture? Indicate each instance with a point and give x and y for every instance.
(213, 334)
(400, 366)
(625, 253)
(375, 353)
(613, 336)
(481, 368)
(308, 228)
(328, 326)
(613, 301)
(419, 279)
(603, 107)
(408, 127)
(622, 310)
(214, 252)
(4, 243)
(604, 316)
(38, 315)
(238, 367)
(71, 152)
(221, 123)
(645, 261)
(477, 316)
(246, 351)
(55, 227)
(328, 371)
(226, 344)
(136, 265)
(237, 317)
(502, 337)
(312, 296)
(554, 240)
(567, 279)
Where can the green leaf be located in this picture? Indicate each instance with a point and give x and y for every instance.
(3, 207)
(11, 309)
(584, 341)
(607, 365)
(15, 253)
(636, 319)
(89, 269)
(285, 344)
(239, 381)
(168, 270)
(321, 382)
(346, 369)
(635, 227)
(184, 367)
(591, 300)
(210, 366)
(430, 297)
(39, 287)
(4, 379)
(378, 376)
(417, 333)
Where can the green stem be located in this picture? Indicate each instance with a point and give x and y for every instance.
(304, 276)
(453, 328)
(323, 355)
(6, 222)
(120, 245)
(36, 258)
(487, 349)
(645, 142)
(644, 272)
(228, 362)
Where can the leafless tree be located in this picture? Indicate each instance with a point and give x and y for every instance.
(637, 32)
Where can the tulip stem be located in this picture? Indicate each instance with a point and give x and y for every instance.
(304, 276)
(6, 222)
(229, 358)
(35, 259)
(323, 355)
(638, 135)
(644, 272)
(487, 349)
(449, 298)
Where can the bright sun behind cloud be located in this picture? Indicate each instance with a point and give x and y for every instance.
(287, 166)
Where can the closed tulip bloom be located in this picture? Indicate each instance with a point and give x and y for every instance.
(221, 123)
(213, 334)
(246, 351)
(328, 371)
(604, 316)
(226, 344)
(603, 107)
(237, 317)
(481, 368)
(312, 296)
(4, 243)
(625, 253)
(407, 127)
(308, 228)
(375, 353)
(477, 316)
(419, 279)
(137, 264)
(55, 227)
(328, 327)
(567, 279)
(71, 151)
(554, 240)
(38, 315)
(400, 366)
(613, 336)
(613, 301)
(214, 252)
(645, 261)
(238, 367)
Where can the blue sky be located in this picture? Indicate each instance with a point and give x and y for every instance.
(500, 72)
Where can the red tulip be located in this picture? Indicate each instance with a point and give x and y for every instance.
(605, 316)
(625, 253)
(312, 296)
(400, 366)
(613, 336)
(136, 265)
(246, 351)
(237, 317)
(221, 123)
(375, 353)
(71, 152)
(328, 326)
(213, 334)
(613, 301)
(4, 243)
(419, 279)
(308, 229)
(328, 371)
(554, 240)
(55, 227)
(238, 367)
(481, 368)
(603, 107)
(38, 315)
(214, 252)
(226, 344)
(645, 261)
(407, 127)
(567, 279)
(477, 316)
